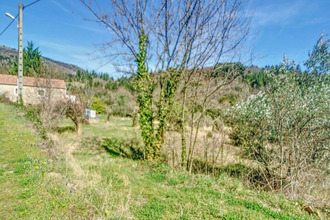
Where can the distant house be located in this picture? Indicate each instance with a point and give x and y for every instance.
(34, 89)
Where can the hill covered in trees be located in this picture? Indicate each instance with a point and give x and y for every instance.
(8, 56)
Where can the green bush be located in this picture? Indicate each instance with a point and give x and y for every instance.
(98, 105)
(33, 115)
(285, 128)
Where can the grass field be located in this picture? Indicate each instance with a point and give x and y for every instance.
(83, 181)
(117, 127)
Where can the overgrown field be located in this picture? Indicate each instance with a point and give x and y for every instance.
(83, 181)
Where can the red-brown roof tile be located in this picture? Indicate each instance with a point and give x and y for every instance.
(32, 81)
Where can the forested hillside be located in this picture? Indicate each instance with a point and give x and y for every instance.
(8, 56)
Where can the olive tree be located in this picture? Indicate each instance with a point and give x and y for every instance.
(284, 130)
(319, 58)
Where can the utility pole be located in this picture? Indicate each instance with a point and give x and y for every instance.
(20, 55)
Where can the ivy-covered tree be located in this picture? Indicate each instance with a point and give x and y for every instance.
(173, 39)
(32, 61)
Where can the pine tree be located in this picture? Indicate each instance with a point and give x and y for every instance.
(32, 61)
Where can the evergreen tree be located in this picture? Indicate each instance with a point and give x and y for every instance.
(32, 61)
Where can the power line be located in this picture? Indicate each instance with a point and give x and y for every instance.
(17, 16)
(8, 26)
(31, 4)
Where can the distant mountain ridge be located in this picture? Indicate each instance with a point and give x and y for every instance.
(8, 54)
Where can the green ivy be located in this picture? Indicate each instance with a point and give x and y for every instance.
(165, 105)
(144, 88)
(153, 141)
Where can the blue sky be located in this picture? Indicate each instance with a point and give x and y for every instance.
(291, 27)
(60, 29)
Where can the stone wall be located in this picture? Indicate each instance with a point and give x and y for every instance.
(31, 96)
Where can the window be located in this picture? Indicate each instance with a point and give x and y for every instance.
(41, 92)
(16, 91)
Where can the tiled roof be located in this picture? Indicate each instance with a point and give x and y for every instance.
(32, 81)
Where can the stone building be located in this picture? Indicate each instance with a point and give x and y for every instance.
(34, 89)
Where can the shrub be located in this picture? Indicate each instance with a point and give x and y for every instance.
(98, 105)
(285, 128)
(33, 115)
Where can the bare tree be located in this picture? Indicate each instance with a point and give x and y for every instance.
(175, 39)
(50, 101)
(75, 111)
(203, 87)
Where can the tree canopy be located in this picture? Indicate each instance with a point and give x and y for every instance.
(319, 58)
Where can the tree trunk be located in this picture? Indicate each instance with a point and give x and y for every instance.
(79, 129)
(182, 128)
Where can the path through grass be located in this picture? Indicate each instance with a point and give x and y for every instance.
(85, 182)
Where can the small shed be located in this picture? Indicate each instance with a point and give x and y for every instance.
(90, 113)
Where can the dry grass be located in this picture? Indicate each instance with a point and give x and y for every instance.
(86, 182)
(210, 144)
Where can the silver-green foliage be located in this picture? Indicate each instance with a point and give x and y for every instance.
(319, 58)
(285, 128)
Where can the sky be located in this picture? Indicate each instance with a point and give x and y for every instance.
(63, 31)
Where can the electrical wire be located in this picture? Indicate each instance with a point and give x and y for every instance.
(8, 26)
(17, 16)
(31, 4)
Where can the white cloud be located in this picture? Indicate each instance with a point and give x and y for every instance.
(277, 14)
(59, 5)
(86, 27)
